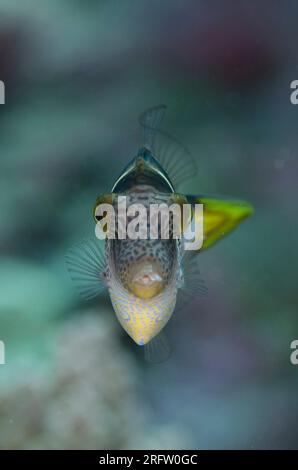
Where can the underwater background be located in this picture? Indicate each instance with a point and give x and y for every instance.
(77, 75)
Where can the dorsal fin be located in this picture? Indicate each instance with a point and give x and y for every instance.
(173, 156)
(150, 120)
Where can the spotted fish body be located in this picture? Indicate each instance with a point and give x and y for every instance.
(141, 318)
(128, 252)
(143, 312)
(144, 276)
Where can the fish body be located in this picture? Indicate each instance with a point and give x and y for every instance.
(144, 275)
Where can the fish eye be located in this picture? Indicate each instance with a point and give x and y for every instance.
(103, 199)
(99, 218)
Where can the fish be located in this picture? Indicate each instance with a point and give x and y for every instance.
(145, 276)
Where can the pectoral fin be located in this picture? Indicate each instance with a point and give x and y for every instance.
(86, 265)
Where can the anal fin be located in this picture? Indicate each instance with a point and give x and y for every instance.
(158, 349)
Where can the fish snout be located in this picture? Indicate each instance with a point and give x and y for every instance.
(146, 279)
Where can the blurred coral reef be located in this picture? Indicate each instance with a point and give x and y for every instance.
(83, 396)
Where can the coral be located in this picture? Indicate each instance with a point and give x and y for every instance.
(83, 395)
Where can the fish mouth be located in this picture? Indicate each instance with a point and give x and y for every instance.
(146, 279)
(144, 169)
